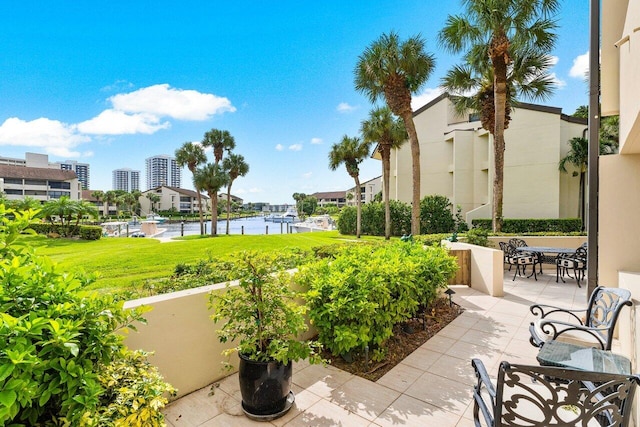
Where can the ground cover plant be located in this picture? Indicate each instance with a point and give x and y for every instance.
(61, 360)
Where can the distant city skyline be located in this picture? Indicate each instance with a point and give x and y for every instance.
(90, 82)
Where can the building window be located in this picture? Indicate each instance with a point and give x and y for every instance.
(34, 182)
(13, 181)
(8, 192)
(60, 184)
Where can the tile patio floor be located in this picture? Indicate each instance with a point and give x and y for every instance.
(431, 387)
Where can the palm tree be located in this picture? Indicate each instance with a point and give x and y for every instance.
(110, 198)
(211, 178)
(192, 155)
(99, 196)
(220, 141)
(393, 70)
(234, 166)
(351, 152)
(389, 133)
(299, 197)
(153, 199)
(85, 207)
(499, 35)
(136, 194)
(64, 209)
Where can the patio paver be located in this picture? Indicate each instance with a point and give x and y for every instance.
(432, 386)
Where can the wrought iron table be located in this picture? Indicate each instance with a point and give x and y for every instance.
(566, 355)
(540, 252)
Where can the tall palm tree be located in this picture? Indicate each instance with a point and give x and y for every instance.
(85, 207)
(235, 166)
(110, 198)
(211, 178)
(393, 70)
(577, 156)
(497, 35)
(192, 155)
(381, 127)
(351, 152)
(220, 141)
(153, 199)
(64, 209)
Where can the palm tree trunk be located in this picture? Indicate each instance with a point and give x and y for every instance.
(199, 197)
(415, 170)
(358, 206)
(386, 172)
(228, 205)
(214, 214)
(500, 98)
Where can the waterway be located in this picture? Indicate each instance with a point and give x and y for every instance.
(254, 225)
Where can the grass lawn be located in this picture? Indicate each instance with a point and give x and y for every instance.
(127, 263)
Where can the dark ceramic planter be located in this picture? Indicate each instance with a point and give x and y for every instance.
(265, 388)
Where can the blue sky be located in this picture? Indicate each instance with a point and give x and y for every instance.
(112, 83)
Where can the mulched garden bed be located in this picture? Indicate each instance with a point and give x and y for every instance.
(439, 315)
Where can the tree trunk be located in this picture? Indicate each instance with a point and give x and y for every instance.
(415, 169)
(228, 205)
(385, 150)
(358, 206)
(582, 198)
(214, 214)
(199, 197)
(500, 98)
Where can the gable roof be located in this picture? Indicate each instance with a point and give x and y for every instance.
(330, 195)
(23, 172)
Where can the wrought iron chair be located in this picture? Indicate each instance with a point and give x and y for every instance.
(546, 396)
(592, 326)
(521, 260)
(576, 261)
(505, 250)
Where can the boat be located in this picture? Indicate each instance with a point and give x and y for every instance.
(289, 216)
(314, 223)
(115, 229)
(155, 217)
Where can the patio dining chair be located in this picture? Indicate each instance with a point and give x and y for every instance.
(592, 326)
(544, 396)
(521, 260)
(576, 262)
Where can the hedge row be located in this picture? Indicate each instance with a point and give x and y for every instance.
(533, 225)
(86, 232)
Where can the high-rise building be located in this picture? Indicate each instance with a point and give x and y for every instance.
(162, 170)
(81, 170)
(126, 179)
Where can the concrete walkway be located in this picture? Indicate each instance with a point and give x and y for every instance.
(431, 387)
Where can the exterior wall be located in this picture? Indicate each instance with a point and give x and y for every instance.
(162, 170)
(457, 158)
(170, 198)
(619, 225)
(629, 55)
(486, 268)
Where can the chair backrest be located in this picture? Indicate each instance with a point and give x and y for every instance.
(604, 308)
(518, 243)
(548, 396)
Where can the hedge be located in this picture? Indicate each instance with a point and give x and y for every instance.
(533, 225)
(86, 232)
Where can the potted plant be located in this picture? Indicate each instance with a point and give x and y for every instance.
(261, 314)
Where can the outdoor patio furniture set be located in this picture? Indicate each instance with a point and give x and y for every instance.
(581, 384)
(517, 253)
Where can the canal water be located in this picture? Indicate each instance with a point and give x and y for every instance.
(254, 225)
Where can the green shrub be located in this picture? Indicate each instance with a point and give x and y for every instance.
(436, 215)
(373, 219)
(90, 232)
(57, 342)
(479, 237)
(521, 226)
(431, 239)
(356, 298)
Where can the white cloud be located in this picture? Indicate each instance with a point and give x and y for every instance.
(114, 122)
(316, 141)
(279, 147)
(295, 147)
(344, 107)
(558, 81)
(255, 190)
(427, 95)
(54, 137)
(307, 175)
(580, 68)
(164, 101)
(117, 85)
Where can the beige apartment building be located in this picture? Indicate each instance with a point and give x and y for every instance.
(619, 175)
(457, 157)
(178, 199)
(368, 191)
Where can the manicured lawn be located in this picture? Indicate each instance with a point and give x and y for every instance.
(125, 263)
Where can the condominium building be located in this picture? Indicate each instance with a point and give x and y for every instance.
(126, 179)
(42, 184)
(81, 170)
(162, 170)
(174, 199)
(368, 191)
